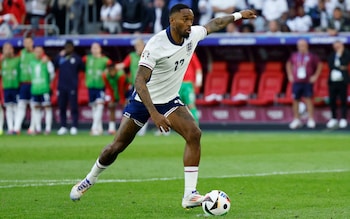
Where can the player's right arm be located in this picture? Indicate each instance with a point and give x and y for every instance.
(219, 23)
(143, 75)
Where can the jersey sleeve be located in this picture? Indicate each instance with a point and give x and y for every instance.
(150, 54)
(199, 32)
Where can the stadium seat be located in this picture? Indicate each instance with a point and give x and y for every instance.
(218, 67)
(287, 98)
(242, 86)
(273, 67)
(246, 67)
(83, 92)
(270, 85)
(215, 88)
(321, 90)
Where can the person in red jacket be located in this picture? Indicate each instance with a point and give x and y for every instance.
(115, 82)
(15, 7)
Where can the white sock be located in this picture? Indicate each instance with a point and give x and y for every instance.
(93, 113)
(10, 116)
(99, 113)
(111, 126)
(1, 119)
(48, 119)
(20, 114)
(36, 112)
(32, 120)
(95, 171)
(191, 177)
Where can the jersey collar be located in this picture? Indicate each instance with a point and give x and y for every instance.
(168, 33)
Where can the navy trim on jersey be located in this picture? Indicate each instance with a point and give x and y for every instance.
(168, 33)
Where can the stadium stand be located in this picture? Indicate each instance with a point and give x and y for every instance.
(286, 98)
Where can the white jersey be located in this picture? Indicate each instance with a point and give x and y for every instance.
(168, 62)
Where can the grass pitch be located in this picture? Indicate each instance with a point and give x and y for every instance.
(267, 175)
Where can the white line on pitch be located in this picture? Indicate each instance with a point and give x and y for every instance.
(39, 183)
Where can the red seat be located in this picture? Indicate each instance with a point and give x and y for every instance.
(242, 86)
(270, 86)
(83, 92)
(53, 87)
(246, 67)
(273, 67)
(320, 88)
(287, 99)
(218, 67)
(215, 88)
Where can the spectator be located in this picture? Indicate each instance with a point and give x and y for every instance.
(344, 5)
(115, 88)
(95, 64)
(338, 81)
(159, 16)
(310, 5)
(319, 16)
(205, 10)
(69, 65)
(36, 10)
(77, 11)
(133, 14)
(59, 10)
(10, 83)
(15, 7)
(111, 16)
(42, 72)
(303, 69)
(26, 56)
(8, 22)
(338, 23)
(222, 8)
(273, 27)
(301, 22)
(274, 9)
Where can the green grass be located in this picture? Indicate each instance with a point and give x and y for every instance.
(267, 175)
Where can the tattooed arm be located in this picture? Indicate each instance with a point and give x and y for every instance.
(219, 23)
(143, 75)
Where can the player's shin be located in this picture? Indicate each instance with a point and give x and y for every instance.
(20, 113)
(48, 119)
(191, 177)
(95, 171)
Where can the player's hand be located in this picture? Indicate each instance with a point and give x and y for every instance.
(162, 123)
(248, 14)
(313, 79)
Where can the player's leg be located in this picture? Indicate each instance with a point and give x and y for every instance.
(10, 105)
(99, 111)
(308, 94)
(73, 103)
(297, 91)
(343, 123)
(62, 105)
(111, 124)
(189, 98)
(183, 123)
(125, 134)
(36, 113)
(48, 113)
(21, 108)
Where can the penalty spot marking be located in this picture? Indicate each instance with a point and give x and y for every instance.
(58, 182)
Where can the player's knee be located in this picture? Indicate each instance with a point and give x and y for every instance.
(194, 135)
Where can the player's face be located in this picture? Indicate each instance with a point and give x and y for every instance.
(68, 49)
(38, 52)
(28, 43)
(95, 49)
(7, 50)
(302, 46)
(182, 22)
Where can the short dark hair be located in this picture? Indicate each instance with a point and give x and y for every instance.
(177, 8)
(69, 42)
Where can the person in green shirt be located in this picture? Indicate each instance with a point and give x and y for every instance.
(26, 56)
(42, 72)
(95, 64)
(10, 82)
(115, 93)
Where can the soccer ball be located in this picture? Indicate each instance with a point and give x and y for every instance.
(216, 202)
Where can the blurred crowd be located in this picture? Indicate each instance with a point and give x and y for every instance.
(151, 16)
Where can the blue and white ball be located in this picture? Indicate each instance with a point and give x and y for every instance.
(216, 202)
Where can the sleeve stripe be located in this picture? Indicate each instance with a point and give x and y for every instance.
(146, 65)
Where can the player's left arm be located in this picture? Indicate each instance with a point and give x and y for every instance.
(143, 75)
(219, 23)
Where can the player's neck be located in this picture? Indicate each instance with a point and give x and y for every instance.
(176, 37)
